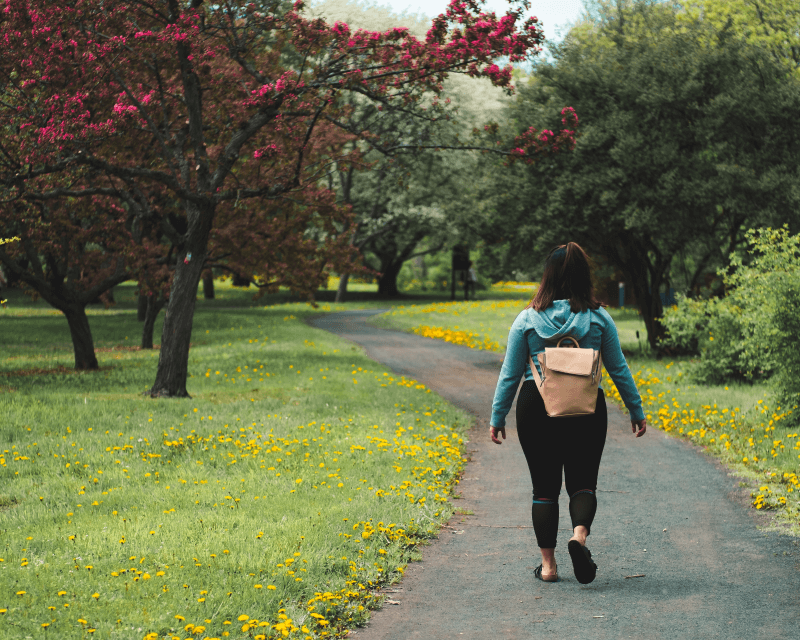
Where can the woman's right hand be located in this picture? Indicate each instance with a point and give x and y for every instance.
(639, 427)
(494, 432)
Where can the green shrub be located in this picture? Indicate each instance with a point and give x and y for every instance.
(787, 322)
(685, 323)
(713, 329)
(748, 334)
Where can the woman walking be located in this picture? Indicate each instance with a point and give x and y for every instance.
(565, 305)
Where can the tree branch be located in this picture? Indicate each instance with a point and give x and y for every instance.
(73, 193)
(231, 152)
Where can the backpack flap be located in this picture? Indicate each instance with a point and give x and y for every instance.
(575, 362)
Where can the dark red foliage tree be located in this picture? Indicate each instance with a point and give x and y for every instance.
(71, 253)
(206, 113)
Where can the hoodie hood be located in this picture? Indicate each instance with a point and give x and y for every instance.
(558, 320)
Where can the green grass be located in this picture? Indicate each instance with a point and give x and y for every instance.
(737, 423)
(631, 329)
(489, 320)
(299, 478)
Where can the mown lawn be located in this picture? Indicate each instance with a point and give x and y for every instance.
(737, 423)
(299, 479)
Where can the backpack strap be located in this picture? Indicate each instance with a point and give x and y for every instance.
(574, 342)
(535, 372)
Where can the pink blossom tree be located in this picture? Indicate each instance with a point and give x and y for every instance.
(214, 110)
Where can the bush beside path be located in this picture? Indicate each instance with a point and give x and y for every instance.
(667, 513)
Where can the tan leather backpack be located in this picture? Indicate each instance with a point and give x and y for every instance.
(571, 379)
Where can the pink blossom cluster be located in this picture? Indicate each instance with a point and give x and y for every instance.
(533, 143)
(264, 153)
(397, 60)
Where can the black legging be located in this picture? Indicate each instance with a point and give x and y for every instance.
(550, 444)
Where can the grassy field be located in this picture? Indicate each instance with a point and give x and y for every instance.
(737, 423)
(298, 480)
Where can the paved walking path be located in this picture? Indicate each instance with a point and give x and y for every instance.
(665, 510)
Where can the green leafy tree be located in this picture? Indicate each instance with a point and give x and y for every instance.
(409, 203)
(689, 138)
(773, 25)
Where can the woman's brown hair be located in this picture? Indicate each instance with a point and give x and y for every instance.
(567, 276)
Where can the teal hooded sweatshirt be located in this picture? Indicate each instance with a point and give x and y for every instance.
(532, 331)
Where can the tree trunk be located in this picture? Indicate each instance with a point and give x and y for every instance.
(387, 283)
(649, 302)
(82, 342)
(173, 360)
(341, 292)
(141, 307)
(423, 272)
(154, 305)
(645, 270)
(240, 281)
(208, 287)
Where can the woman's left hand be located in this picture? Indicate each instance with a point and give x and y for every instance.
(494, 432)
